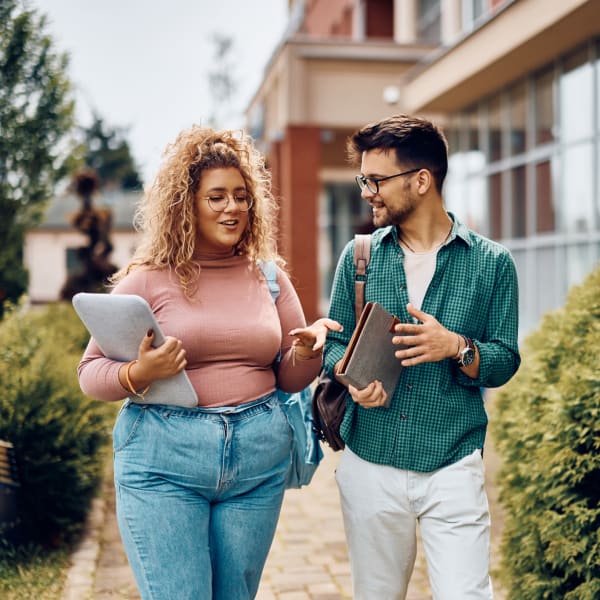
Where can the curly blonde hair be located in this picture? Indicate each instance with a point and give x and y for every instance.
(166, 215)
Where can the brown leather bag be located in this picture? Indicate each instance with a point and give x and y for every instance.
(329, 397)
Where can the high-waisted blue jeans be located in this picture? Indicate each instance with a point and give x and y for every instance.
(199, 493)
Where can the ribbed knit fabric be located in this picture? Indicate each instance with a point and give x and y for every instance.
(230, 329)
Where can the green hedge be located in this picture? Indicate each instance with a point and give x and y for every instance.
(547, 429)
(58, 434)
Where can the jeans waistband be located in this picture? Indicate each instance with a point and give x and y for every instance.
(232, 410)
(241, 410)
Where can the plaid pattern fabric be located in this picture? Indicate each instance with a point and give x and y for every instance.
(437, 415)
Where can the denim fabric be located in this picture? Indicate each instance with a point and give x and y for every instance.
(198, 496)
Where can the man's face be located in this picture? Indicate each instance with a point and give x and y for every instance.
(394, 202)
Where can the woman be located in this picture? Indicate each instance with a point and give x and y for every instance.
(199, 490)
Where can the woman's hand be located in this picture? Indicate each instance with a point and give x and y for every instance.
(154, 363)
(313, 337)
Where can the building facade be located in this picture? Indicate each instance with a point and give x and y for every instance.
(50, 250)
(515, 84)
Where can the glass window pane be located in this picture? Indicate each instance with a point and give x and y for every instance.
(472, 130)
(544, 107)
(519, 212)
(342, 213)
(429, 21)
(453, 139)
(548, 275)
(598, 84)
(455, 196)
(576, 191)
(575, 87)
(472, 10)
(545, 216)
(526, 300)
(579, 263)
(518, 118)
(495, 191)
(477, 209)
(495, 133)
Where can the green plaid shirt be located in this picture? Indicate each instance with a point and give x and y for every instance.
(437, 415)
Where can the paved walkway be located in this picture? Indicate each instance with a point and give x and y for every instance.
(308, 559)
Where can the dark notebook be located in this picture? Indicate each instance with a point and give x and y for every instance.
(370, 352)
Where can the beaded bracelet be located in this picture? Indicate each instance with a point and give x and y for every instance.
(130, 385)
(299, 356)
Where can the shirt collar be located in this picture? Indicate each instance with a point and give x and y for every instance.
(458, 230)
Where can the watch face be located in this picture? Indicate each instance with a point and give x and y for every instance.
(467, 357)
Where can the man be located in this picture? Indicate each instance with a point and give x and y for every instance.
(455, 293)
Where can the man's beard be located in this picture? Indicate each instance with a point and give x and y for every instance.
(396, 216)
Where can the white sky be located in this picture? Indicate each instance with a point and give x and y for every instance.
(144, 64)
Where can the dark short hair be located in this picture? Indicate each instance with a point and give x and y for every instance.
(416, 142)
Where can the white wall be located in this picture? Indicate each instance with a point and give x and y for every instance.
(45, 257)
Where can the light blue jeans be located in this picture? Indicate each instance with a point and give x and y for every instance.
(199, 493)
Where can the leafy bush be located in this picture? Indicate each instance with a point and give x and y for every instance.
(548, 432)
(58, 434)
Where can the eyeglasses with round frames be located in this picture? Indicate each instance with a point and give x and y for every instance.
(219, 202)
(372, 183)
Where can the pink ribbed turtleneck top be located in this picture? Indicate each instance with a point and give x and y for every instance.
(230, 328)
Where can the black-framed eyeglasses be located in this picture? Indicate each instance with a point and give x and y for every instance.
(372, 183)
(219, 202)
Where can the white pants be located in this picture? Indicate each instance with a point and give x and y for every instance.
(381, 506)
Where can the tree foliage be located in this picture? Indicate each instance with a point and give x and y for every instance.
(36, 113)
(222, 82)
(106, 150)
(547, 428)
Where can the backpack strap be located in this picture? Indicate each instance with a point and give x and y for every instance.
(362, 256)
(269, 269)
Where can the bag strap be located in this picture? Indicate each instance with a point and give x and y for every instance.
(269, 269)
(362, 256)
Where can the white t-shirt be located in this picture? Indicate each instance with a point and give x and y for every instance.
(419, 268)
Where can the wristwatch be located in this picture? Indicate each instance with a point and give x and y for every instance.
(467, 354)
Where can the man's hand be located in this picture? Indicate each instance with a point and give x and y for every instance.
(427, 341)
(370, 397)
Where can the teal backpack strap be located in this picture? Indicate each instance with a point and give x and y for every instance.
(269, 269)
(306, 451)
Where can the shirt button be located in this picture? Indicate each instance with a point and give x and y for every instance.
(409, 386)
(403, 416)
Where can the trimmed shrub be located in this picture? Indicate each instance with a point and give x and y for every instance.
(58, 434)
(547, 428)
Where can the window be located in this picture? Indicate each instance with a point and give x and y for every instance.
(495, 212)
(518, 200)
(577, 193)
(342, 214)
(429, 21)
(575, 89)
(472, 11)
(518, 118)
(545, 213)
(495, 129)
(539, 185)
(544, 109)
(380, 19)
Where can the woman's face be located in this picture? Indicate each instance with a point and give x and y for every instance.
(221, 209)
